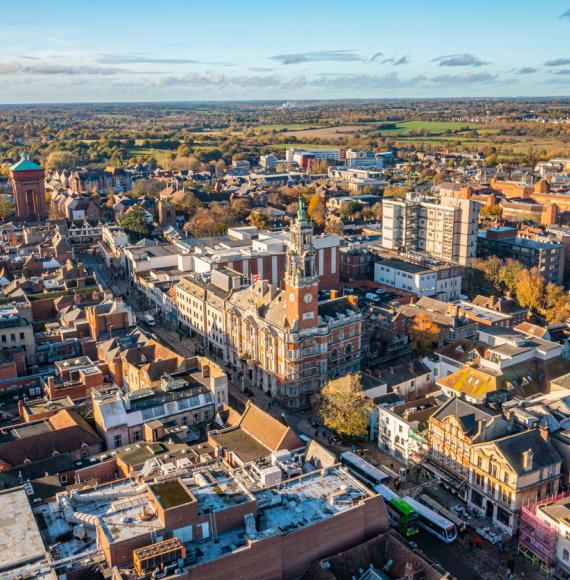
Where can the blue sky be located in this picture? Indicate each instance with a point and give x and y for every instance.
(126, 50)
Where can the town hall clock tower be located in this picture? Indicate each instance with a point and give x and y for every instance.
(301, 278)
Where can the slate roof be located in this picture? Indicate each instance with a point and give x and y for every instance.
(513, 447)
(468, 414)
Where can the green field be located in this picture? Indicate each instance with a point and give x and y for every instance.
(159, 154)
(281, 127)
(432, 126)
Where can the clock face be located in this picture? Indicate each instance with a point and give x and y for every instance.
(308, 298)
(292, 297)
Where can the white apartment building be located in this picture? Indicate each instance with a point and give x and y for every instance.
(446, 230)
(402, 428)
(442, 282)
(365, 159)
(299, 155)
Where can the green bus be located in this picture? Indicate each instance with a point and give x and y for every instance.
(406, 517)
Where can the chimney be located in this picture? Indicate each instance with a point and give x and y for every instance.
(353, 299)
(205, 371)
(411, 367)
(544, 432)
(334, 294)
(453, 310)
(527, 456)
(491, 301)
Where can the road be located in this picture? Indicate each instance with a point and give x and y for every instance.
(447, 556)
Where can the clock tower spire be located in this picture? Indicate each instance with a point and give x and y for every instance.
(301, 278)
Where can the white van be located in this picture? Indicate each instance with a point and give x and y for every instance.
(149, 320)
(372, 297)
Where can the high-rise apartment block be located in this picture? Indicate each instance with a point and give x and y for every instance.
(446, 230)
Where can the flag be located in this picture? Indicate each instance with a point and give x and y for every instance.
(255, 278)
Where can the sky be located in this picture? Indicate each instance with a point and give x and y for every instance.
(182, 50)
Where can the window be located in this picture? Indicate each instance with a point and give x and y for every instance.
(117, 440)
(476, 498)
(503, 516)
(63, 478)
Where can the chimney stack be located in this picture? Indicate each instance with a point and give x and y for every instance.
(544, 432)
(527, 456)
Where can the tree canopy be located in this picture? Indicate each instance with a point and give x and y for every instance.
(343, 407)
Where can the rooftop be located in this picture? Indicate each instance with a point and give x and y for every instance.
(26, 164)
(238, 441)
(20, 538)
(172, 493)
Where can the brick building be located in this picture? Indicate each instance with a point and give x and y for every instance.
(111, 315)
(286, 340)
(29, 189)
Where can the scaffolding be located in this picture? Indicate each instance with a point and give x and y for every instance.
(537, 540)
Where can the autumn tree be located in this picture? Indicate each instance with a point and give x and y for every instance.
(259, 220)
(423, 334)
(241, 208)
(395, 191)
(212, 221)
(491, 211)
(5, 207)
(509, 274)
(318, 167)
(334, 225)
(530, 289)
(556, 304)
(343, 407)
(316, 210)
(61, 160)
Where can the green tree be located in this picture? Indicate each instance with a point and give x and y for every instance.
(343, 407)
(134, 221)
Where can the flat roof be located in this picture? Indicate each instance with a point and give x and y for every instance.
(172, 494)
(241, 443)
(20, 538)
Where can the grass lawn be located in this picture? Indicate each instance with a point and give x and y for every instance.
(280, 127)
(159, 154)
(432, 126)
